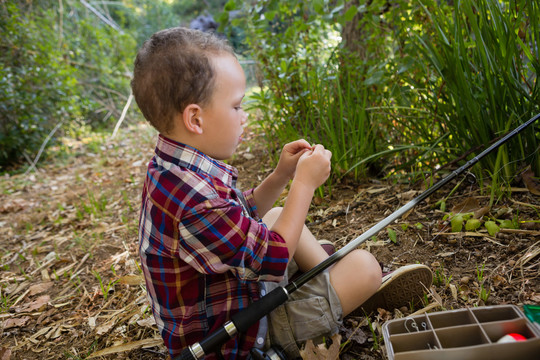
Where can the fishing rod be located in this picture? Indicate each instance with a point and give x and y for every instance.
(244, 319)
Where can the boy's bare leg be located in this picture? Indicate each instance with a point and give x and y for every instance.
(308, 251)
(355, 277)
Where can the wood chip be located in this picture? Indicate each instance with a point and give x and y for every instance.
(15, 322)
(5, 353)
(45, 275)
(521, 232)
(453, 290)
(37, 305)
(40, 288)
(429, 307)
(131, 280)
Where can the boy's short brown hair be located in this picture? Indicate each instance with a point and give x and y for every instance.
(172, 70)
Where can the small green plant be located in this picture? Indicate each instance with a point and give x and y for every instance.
(96, 206)
(76, 280)
(105, 288)
(29, 227)
(113, 270)
(425, 302)
(483, 291)
(440, 278)
(79, 213)
(92, 348)
(392, 235)
(127, 200)
(373, 330)
(472, 224)
(5, 301)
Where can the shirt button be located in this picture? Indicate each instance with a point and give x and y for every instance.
(260, 340)
(263, 292)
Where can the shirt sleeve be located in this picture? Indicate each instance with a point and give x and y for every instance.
(216, 236)
(252, 207)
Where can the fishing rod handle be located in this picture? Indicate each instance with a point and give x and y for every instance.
(240, 322)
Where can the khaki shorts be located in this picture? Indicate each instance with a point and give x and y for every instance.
(313, 311)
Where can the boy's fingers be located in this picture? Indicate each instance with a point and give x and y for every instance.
(321, 149)
(298, 146)
(318, 148)
(303, 143)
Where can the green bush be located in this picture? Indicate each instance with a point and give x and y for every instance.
(482, 78)
(35, 82)
(312, 88)
(57, 65)
(427, 83)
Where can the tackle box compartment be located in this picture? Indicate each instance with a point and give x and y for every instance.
(470, 333)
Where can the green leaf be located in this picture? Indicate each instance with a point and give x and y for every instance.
(230, 5)
(318, 6)
(492, 227)
(392, 235)
(337, 9)
(443, 206)
(506, 224)
(374, 78)
(457, 223)
(472, 224)
(270, 15)
(223, 19)
(349, 15)
(467, 216)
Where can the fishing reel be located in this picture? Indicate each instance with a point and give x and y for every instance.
(274, 353)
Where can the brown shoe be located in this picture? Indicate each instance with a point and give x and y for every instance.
(403, 287)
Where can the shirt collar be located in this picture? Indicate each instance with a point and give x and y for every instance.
(188, 157)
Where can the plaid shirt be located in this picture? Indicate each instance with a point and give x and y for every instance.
(203, 248)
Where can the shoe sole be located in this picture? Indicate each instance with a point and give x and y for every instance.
(403, 287)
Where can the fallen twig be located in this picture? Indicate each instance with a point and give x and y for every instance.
(33, 163)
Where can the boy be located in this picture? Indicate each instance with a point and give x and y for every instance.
(204, 249)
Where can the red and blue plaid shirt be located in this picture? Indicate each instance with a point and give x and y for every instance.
(203, 247)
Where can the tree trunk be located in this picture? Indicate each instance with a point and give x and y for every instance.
(352, 34)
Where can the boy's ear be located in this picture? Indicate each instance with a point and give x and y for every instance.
(192, 118)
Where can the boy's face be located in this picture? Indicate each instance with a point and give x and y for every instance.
(223, 117)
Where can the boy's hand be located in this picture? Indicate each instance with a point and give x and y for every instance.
(314, 166)
(289, 157)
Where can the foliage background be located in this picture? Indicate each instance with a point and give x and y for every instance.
(62, 63)
(407, 85)
(393, 88)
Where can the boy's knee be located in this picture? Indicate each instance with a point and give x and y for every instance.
(365, 262)
(271, 216)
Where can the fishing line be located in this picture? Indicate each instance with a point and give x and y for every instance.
(523, 159)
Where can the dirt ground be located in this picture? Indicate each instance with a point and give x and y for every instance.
(71, 287)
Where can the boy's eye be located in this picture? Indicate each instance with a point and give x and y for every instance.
(237, 108)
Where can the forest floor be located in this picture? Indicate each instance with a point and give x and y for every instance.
(71, 286)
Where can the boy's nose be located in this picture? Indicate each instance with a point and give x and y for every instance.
(244, 117)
